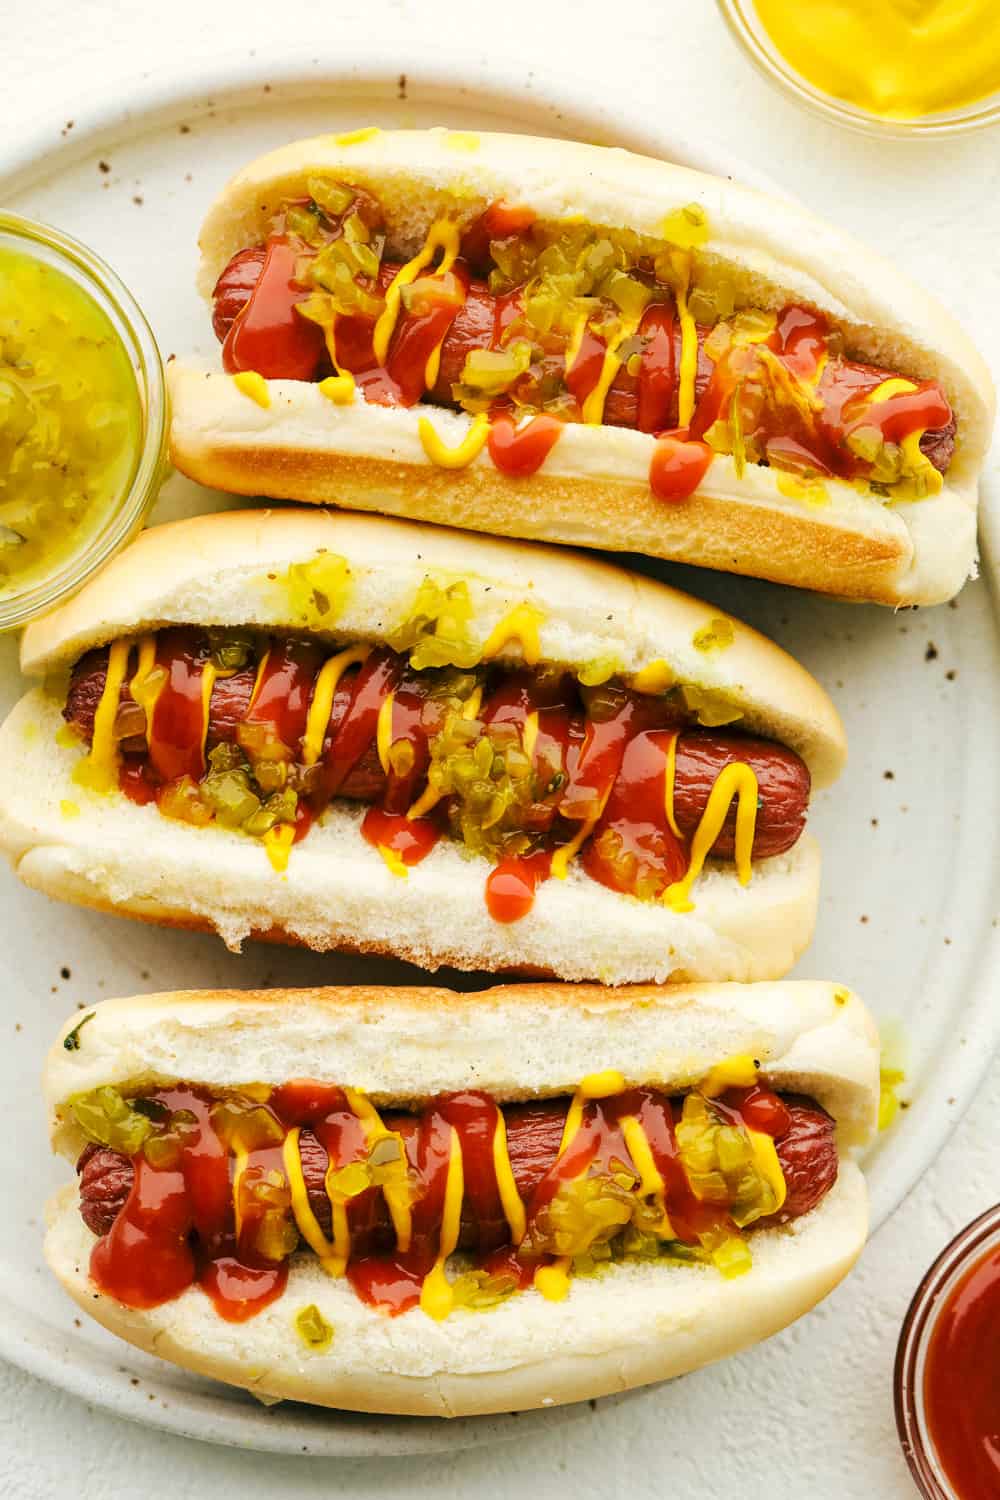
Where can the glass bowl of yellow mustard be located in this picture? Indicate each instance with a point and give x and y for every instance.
(891, 68)
(83, 417)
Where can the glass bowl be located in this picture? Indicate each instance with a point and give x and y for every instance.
(124, 517)
(974, 1242)
(744, 23)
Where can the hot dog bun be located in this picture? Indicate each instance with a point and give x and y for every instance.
(593, 489)
(635, 1324)
(103, 851)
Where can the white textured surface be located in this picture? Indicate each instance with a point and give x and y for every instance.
(810, 1413)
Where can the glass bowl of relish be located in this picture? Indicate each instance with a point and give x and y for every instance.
(948, 1369)
(83, 417)
(888, 69)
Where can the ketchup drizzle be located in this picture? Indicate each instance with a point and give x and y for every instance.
(598, 764)
(267, 335)
(178, 718)
(521, 451)
(177, 1228)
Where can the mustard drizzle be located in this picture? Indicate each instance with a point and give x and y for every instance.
(552, 1279)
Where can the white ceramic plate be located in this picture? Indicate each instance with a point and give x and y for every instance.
(910, 879)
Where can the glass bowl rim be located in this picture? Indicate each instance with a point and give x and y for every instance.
(111, 294)
(969, 1245)
(769, 62)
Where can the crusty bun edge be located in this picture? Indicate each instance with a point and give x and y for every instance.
(403, 1045)
(637, 1324)
(774, 249)
(592, 491)
(232, 568)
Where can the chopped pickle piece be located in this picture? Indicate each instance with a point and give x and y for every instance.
(276, 1236)
(302, 219)
(480, 1290)
(710, 707)
(435, 632)
(272, 775)
(732, 1257)
(313, 1329)
(246, 1125)
(315, 592)
(280, 807)
(489, 373)
(107, 1119)
(226, 757)
(600, 670)
(628, 295)
(349, 1181)
(230, 650)
(163, 1150)
(712, 299)
(182, 799)
(589, 1212)
(495, 800)
(720, 1163)
(230, 798)
(716, 635)
(261, 743)
(429, 294)
(332, 197)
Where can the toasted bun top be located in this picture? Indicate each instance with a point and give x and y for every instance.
(402, 1046)
(233, 569)
(773, 249)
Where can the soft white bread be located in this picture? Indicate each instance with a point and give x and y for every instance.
(105, 852)
(636, 1323)
(405, 1044)
(593, 489)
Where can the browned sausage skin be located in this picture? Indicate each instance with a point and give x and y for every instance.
(701, 754)
(807, 1153)
(479, 324)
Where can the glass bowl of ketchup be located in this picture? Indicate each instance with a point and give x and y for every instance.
(892, 68)
(947, 1372)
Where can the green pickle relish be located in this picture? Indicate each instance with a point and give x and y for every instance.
(70, 419)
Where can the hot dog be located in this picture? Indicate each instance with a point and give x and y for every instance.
(661, 362)
(700, 754)
(805, 1147)
(372, 702)
(479, 325)
(287, 1225)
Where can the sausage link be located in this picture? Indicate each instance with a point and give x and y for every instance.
(105, 1183)
(807, 1153)
(808, 1156)
(479, 325)
(783, 782)
(229, 706)
(234, 287)
(783, 779)
(85, 690)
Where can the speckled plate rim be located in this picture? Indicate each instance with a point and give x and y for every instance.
(559, 104)
(44, 147)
